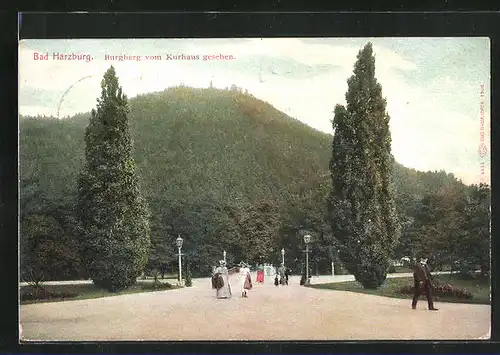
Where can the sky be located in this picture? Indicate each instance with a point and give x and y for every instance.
(432, 85)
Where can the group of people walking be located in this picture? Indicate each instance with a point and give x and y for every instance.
(220, 280)
(283, 273)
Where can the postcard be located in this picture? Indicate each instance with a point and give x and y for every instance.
(254, 189)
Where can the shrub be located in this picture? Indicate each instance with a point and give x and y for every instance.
(46, 295)
(156, 286)
(448, 290)
(405, 290)
(392, 269)
(440, 290)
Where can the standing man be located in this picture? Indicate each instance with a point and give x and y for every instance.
(422, 278)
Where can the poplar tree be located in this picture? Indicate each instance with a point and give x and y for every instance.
(361, 205)
(114, 217)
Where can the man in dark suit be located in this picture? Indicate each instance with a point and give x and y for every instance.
(422, 278)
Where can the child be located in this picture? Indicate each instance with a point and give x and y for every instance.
(276, 283)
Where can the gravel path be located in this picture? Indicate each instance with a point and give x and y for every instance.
(269, 313)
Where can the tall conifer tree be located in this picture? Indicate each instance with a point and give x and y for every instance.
(114, 228)
(361, 205)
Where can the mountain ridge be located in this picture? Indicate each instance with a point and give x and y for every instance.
(188, 141)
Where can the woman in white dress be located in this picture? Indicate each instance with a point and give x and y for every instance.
(225, 290)
(245, 279)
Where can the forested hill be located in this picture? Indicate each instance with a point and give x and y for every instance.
(192, 143)
(220, 167)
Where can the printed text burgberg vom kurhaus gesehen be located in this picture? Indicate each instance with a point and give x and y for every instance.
(125, 57)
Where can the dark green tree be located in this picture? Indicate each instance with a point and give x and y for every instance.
(307, 211)
(47, 252)
(361, 206)
(114, 216)
(478, 216)
(453, 228)
(259, 226)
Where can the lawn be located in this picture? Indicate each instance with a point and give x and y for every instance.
(87, 291)
(479, 287)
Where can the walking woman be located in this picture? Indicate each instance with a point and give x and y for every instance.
(221, 281)
(245, 279)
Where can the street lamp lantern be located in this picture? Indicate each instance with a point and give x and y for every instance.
(179, 242)
(307, 240)
(224, 255)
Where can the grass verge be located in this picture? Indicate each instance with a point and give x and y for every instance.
(479, 287)
(87, 291)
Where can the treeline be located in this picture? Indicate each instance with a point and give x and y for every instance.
(227, 171)
(451, 226)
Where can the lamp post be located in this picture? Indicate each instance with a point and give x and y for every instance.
(307, 240)
(224, 255)
(283, 256)
(179, 241)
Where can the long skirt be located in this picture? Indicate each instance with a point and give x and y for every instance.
(224, 291)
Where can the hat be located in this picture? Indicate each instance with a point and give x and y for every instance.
(243, 264)
(222, 262)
